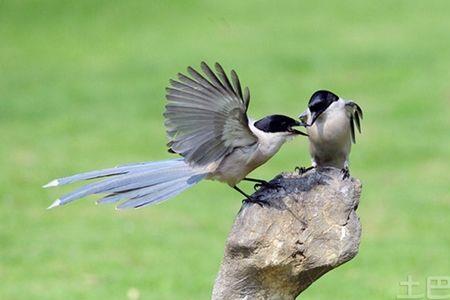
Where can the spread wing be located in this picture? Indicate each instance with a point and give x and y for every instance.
(206, 115)
(356, 114)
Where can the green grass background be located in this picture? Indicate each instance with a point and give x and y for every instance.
(82, 87)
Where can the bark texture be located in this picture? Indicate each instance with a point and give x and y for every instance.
(307, 227)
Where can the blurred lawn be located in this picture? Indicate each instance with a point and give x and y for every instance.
(82, 87)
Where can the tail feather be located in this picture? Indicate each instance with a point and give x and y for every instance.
(163, 176)
(135, 182)
(137, 192)
(127, 181)
(119, 183)
(119, 170)
(155, 197)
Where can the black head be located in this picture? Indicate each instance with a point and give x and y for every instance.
(319, 102)
(278, 123)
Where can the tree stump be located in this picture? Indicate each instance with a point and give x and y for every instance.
(306, 227)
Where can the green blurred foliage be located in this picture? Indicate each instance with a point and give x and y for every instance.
(82, 87)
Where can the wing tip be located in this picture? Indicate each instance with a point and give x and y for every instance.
(52, 183)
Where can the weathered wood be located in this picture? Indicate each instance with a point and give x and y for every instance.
(307, 227)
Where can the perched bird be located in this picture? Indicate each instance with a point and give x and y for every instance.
(207, 124)
(330, 122)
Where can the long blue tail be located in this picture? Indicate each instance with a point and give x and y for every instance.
(137, 184)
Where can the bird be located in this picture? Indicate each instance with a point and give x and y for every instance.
(207, 125)
(330, 123)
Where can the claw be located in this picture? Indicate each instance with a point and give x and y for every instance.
(346, 173)
(253, 199)
(302, 170)
(266, 184)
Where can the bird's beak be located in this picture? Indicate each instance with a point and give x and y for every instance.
(295, 131)
(303, 118)
(314, 116)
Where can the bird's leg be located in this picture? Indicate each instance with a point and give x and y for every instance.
(248, 198)
(303, 170)
(261, 183)
(346, 173)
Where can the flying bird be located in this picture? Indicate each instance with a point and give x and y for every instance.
(330, 122)
(207, 125)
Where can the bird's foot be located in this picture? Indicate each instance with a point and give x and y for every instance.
(254, 199)
(265, 184)
(302, 170)
(345, 173)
